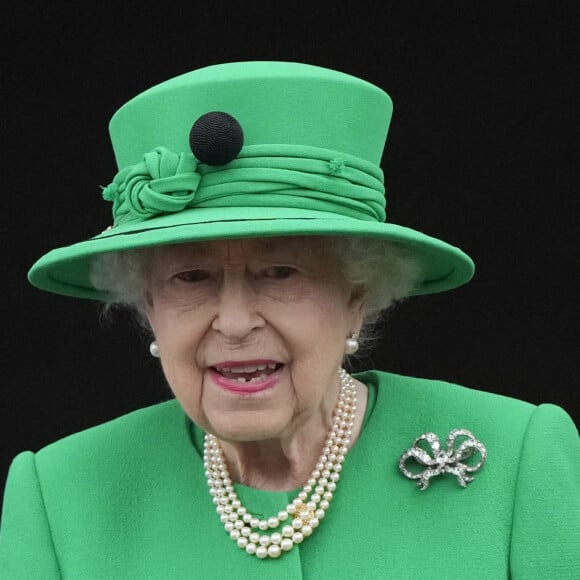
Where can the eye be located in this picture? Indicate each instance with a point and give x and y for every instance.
(279, 272)
(193, 275)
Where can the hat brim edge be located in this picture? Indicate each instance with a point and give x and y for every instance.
(65, 270)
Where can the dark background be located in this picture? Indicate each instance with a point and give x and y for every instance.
(481, 153)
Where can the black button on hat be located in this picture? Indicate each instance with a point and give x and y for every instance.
(216, 138)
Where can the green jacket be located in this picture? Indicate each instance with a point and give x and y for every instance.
(129, 499)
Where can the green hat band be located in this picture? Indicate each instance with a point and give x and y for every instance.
(262, 175)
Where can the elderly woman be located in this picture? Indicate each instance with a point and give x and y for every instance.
(249, 237)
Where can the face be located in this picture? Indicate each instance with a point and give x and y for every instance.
(252, 332)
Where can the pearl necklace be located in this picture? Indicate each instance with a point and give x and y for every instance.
(310, 505)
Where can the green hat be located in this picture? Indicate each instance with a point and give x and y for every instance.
(249, 149)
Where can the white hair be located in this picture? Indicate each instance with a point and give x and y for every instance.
(385, 272)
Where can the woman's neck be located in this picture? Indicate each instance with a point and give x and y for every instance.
(286, 464)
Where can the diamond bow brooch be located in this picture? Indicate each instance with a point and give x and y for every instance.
(426, 451)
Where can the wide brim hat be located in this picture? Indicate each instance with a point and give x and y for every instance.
(249, 149)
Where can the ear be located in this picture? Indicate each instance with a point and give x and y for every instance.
(148, 310)
(148, 302)
(356, 308)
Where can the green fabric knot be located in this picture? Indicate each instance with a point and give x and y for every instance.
(335, 166)
(110, 192)
(164, 182)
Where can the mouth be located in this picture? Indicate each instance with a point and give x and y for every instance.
(246, 376)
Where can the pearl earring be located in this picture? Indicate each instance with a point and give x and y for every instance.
(352, 344)
(154, 349)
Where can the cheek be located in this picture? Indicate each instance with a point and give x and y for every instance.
(332, 312)
(317, 329)
(179, 336)
(183, 373)
(179, 348)
(175, 323)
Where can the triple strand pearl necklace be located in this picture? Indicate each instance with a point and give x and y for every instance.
(309, 506)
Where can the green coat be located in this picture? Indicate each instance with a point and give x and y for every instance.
(129, 499)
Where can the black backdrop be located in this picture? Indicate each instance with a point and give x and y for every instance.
(481, 153)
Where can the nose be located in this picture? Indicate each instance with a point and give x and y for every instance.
(237, 313)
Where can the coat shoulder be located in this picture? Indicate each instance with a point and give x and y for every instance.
(445, 405)
(133, 435)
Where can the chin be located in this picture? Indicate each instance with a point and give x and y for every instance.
(245, 432)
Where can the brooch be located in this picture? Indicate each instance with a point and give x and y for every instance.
(440, 461)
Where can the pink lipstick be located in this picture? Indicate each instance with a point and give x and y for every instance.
(246, 377)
